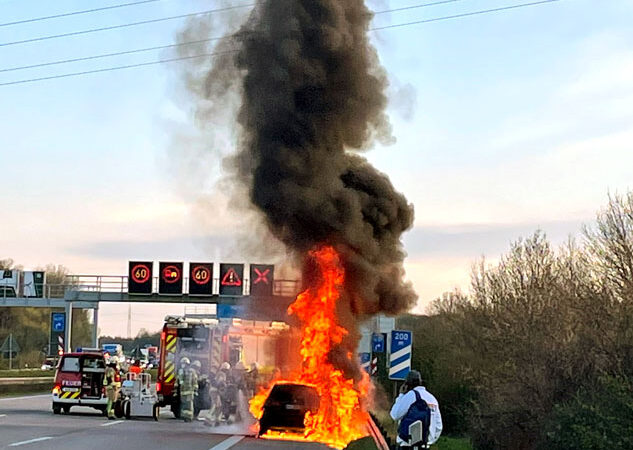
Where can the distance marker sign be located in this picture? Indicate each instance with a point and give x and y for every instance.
(140, 277)
(232, 279)
(170, 280)
(400, 356)
(200, 278)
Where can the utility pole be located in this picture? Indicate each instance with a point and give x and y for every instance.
(129, 321)
(10, 351)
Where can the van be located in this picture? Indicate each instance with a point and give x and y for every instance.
(79, 382)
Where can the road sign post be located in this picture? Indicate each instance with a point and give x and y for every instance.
(58, 330)
(365, 361)
(400, 356)
(11, 348)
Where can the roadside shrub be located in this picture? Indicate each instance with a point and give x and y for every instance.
(598, 417)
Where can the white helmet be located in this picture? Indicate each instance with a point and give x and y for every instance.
(184, 361)
(225, 366)
(197, 365)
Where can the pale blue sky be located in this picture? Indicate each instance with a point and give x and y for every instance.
(505, 122)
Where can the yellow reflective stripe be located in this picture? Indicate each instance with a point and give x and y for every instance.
(169, 369)
(171, 344)
(70, 395)
(170, 378)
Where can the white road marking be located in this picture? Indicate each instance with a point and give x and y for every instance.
(30, 441)
(7, 399)
(228, 443)
(3, 415)
(116, 422)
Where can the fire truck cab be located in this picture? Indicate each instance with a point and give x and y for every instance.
(213, 341)
(79, 381)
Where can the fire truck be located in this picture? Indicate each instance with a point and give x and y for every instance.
(214, 341)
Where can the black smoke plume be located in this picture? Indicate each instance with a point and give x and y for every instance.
(312, 96)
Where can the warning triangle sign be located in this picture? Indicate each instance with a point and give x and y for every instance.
(231, 278)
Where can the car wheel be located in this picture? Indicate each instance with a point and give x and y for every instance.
(126, 409)
(57, 409)
(156, 412)
(118, 409)
(66, 409)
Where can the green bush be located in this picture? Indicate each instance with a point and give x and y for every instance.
(596, 418)
(448, 443)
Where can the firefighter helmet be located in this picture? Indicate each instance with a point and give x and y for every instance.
(184, 361)
(196, 365)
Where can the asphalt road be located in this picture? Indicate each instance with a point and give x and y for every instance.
(28, 423)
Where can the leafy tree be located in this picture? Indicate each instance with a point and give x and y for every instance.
(30, 326)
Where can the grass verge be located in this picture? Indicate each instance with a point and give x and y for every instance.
(449, 443)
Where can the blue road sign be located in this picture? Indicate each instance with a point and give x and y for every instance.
(365, 361)
(58, 321)
(225, 311)
(378, 343)
(400, 357)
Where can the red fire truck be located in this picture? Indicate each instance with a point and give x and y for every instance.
(212, 342)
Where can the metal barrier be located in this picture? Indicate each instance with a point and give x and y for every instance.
(119, 284)
(116, 284)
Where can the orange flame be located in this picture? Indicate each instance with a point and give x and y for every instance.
(341, 417)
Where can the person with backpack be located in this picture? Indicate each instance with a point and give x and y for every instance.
(416, 403)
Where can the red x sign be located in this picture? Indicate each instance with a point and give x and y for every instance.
(262, 276)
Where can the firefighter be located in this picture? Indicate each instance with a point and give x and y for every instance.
(112, 383)
(252, 380)
(188, 385)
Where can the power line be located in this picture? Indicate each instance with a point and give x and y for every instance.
(424, 5)
(162, 61)
(144, 22)
(125, 25)
(162, 47)
(106, 55)
(76, 13)
(457, 16)
(109, 69)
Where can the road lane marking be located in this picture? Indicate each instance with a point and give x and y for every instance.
(116, 422)
(228, 443)
(7, 399)
(3, 415)
(30, 441)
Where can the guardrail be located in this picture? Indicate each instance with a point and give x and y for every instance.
(24, 385)
(25, 380)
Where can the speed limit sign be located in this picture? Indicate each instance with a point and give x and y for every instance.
(140, 277)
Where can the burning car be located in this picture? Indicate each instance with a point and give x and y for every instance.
(286, 406)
